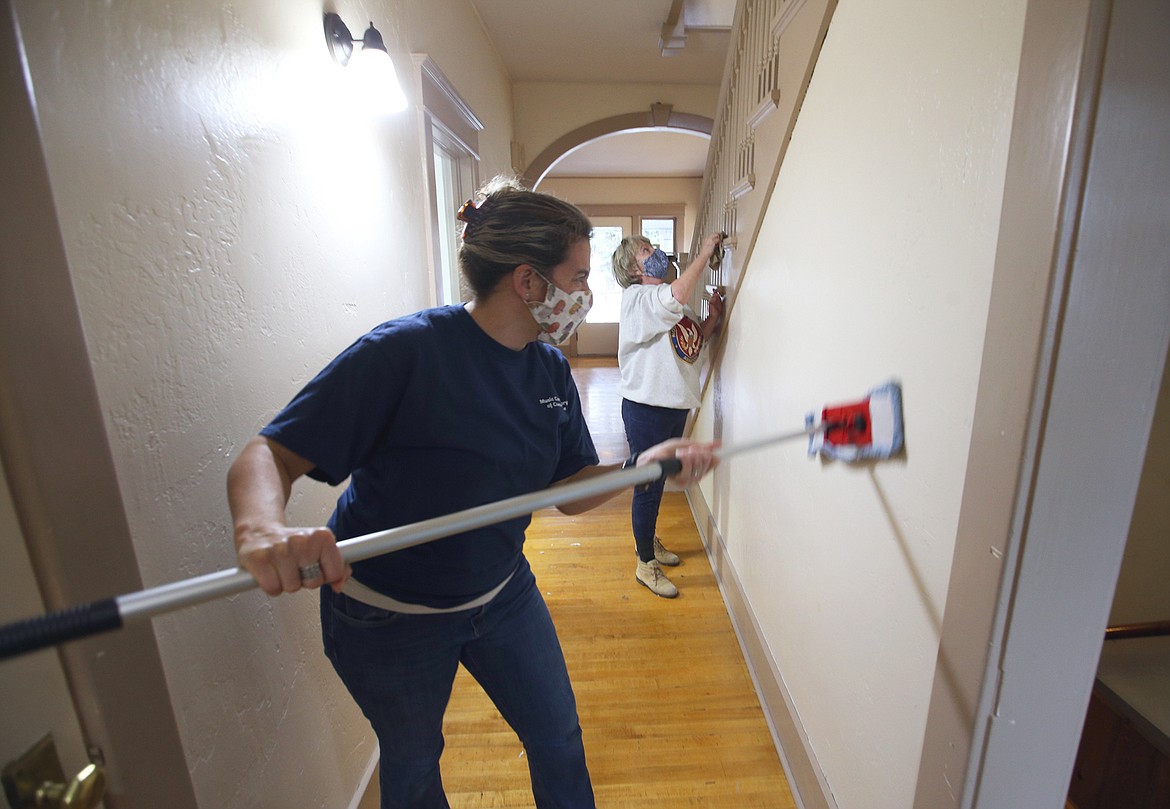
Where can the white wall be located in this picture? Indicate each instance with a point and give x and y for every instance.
(874, 261)
(232, 220)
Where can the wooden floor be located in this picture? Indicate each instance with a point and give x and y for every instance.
(668, 711)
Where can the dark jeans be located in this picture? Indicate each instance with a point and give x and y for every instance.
(647, 425)
(400, 669)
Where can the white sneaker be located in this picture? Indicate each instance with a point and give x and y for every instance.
(664, 556)
(651, 575)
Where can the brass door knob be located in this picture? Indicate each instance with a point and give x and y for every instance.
(85, 791)
(37, 780)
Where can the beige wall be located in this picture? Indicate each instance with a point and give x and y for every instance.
(230, 227)
(874, 260)
(545, 111)
(1142, 594)
(231, 221)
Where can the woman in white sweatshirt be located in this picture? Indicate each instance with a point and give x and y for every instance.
(660, 344)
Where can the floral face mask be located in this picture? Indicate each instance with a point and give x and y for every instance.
(560, 313)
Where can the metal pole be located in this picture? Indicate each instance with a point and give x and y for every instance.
(99, 616)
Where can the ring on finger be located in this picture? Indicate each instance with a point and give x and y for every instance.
(310, 572)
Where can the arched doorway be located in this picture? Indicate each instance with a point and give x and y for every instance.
(660, 117)
(638, 172)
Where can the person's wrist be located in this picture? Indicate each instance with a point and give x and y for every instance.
(632, 461)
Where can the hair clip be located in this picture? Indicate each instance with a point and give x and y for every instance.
(469, 215)
(467, 212)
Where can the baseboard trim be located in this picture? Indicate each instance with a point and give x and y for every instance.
(805, 778)
(362, 799)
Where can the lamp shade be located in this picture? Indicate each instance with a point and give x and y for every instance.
(372, 67)
(382, 90)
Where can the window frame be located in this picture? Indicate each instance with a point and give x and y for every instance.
(640, 211)
(449, 126)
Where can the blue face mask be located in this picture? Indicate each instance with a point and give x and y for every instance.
(656, 264)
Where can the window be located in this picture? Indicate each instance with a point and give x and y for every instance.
(661, 223)
(660, 232)
(454, 178)
(598, 335)
(607, 295)
(452, 159)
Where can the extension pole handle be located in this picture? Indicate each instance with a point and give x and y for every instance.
(760, 443)
(406, 536)
(100, 616)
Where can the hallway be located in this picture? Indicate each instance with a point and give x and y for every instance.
(967, 198)
(669, 713)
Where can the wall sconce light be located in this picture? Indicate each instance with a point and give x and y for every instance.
(372, 61)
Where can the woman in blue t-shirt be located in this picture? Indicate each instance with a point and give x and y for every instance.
(428, 414)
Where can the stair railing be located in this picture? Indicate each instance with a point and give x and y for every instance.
(774, 48)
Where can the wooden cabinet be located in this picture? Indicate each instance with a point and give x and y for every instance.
(1123, 761)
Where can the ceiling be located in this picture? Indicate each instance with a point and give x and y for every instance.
(644, 153)
(616, 41)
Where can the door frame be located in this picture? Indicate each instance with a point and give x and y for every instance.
(1025, 617)
(60, 471)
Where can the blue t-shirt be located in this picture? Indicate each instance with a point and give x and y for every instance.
(428, 415)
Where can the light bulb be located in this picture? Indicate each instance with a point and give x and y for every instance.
(380, 88)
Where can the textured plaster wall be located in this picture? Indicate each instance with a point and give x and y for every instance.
(232, 219)
(874, 260)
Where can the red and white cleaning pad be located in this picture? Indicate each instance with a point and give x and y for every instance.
(867, 429)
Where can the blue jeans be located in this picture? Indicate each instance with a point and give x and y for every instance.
(647, 425)
(400, 669)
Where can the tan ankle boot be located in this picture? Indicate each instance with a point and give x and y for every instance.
(651, 575)
(664, 556)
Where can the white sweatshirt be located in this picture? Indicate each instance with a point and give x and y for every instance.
(660, 345)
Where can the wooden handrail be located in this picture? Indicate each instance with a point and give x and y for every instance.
(1146, 629)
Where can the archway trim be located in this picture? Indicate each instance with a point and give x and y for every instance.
(659, 116)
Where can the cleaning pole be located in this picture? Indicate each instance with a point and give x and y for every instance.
(113, 613)
(870, 428)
